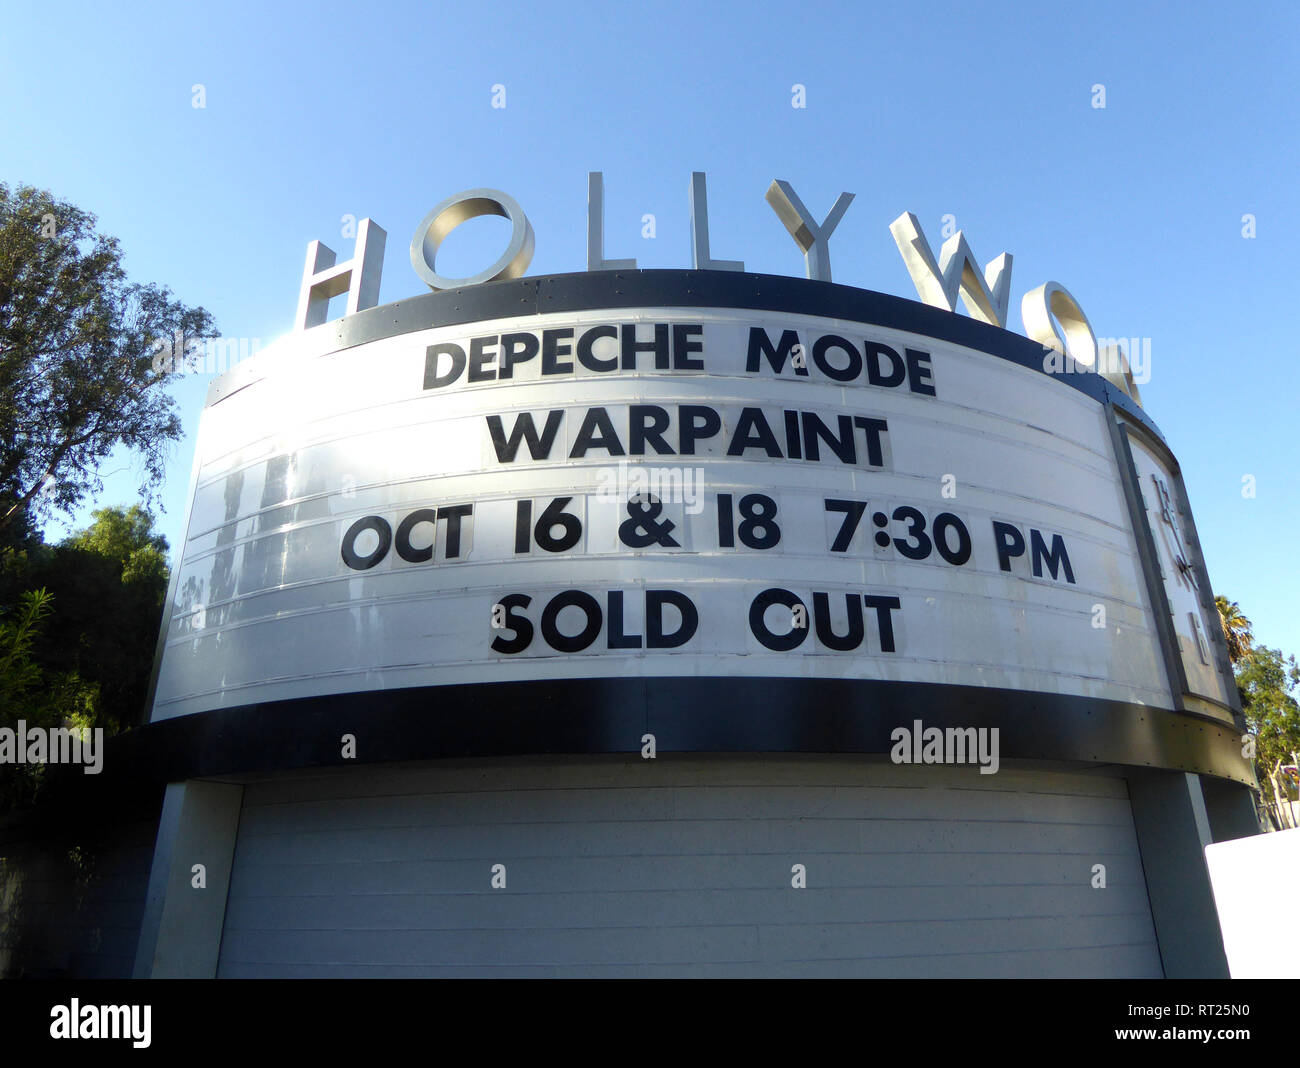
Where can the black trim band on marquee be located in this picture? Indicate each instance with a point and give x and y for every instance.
(600, 290)
(686, 715)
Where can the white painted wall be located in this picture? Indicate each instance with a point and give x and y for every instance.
(1255, 886)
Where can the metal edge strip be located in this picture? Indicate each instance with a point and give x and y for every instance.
(696, 714)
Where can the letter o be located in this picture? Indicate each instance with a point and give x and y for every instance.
(350, 554)
(462, 207)
(777, 642)
(1037, 309)
(575, 643)
(834, 341)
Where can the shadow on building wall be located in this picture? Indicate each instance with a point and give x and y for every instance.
(72, 889)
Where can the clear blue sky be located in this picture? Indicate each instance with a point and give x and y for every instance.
(982, 111)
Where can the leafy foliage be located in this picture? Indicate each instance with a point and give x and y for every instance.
(110, 581)
(20, 675)
(1267, 682)
(77, 374)
(76, 644)
(29, 694)
(1236, 629)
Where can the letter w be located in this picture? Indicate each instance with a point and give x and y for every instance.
(539, 445)
(957, 271)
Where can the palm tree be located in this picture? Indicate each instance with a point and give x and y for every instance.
(1236, 629)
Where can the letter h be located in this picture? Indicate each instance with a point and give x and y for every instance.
(358, 277)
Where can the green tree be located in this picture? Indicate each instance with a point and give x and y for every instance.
(78, 373)
(109, 582)
(77, 642)
(1267, 682)
(20, 674)
(31, 694)
(125, 539)
(1236, 629)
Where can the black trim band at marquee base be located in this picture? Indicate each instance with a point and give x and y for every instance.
(686, 715)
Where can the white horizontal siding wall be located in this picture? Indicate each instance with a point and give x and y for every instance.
(682, 866)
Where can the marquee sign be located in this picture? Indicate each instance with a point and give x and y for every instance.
(586, 494)
(642, 481)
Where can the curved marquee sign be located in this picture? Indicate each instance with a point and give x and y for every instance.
(670, 489)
